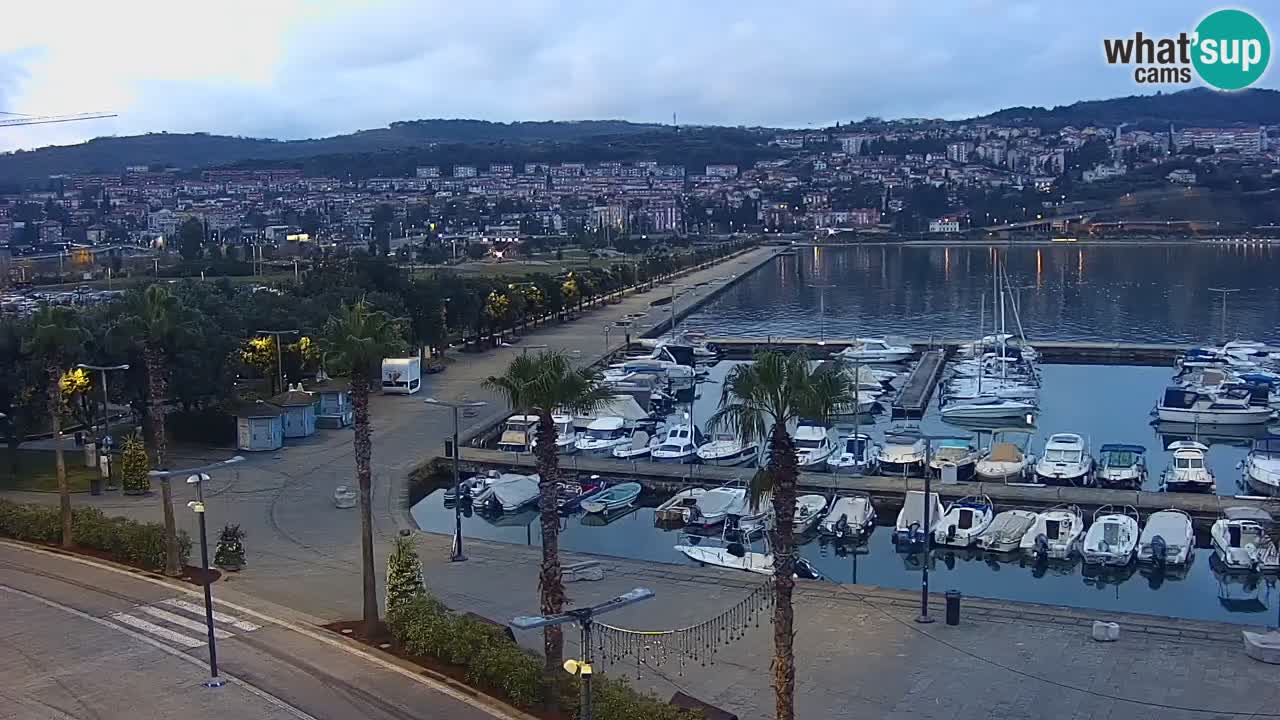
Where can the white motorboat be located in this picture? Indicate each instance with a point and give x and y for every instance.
(566, 434)
(602, 436)
(964, 521)
(863, 404)
(814, 443)
(712, 507)
(875, 350)
(508, 493)
(986, 406)
(809, 510)
(857, 453)
(681, 377)
(737, 556)
(1121, 466)
(612, 498)
(902, 453)
(1262, 466)
(850, 516)
(1231, 406)
(1006, 531)
(1065, 461)
(1007, 458)
(954, 451)
(518, 434)
(970, 389)
(473, 486)
(1055, 535)
(910, 526)
(679, 446)
(727, 450)
(1113, 537)
(868, 379)
(678, 508)
(1168, 538)
(1242, 540)
(1187, 471)
(644, 440)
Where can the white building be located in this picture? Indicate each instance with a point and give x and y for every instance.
(1182, 176)
(1104, 172)
(722, 171)
(944, 225)
(428, 171)
(464, 171)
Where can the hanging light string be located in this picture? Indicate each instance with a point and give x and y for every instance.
(694, 644)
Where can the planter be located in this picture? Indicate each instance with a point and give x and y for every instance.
(95, 486)
(230, 568)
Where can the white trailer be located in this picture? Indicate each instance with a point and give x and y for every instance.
(401, 376)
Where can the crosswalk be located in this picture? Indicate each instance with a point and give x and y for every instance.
(180, 622)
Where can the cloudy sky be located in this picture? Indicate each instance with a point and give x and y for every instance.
(308, 68)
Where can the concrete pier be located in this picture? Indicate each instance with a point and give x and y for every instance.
(1051, 351)
(916, 392)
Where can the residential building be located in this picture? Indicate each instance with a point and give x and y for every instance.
(722, 171)
(427, 171)
(1182, 176)
(50, 232)
(944, 225)
(464, 171)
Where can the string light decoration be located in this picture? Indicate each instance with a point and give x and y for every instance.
(696, 644)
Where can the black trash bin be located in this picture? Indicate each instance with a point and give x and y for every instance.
(953, 607)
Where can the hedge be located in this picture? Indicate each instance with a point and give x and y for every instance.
(425, 627)
(124, 540)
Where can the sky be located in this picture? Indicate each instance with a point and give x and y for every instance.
(308, 68)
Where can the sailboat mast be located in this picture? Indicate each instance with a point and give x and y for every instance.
(980, 351)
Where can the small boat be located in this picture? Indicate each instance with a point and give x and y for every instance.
(470, 487)
(814, 443)
(1065, 461)
(1187, 471)
(1121, 466)
(727, 450)
(1167, 539)
(571, 494)
(508, 493)
(902, 453)
(987, 406)
(809, 510)
(1055, 535)
(712, 507)
(738, 556)
(1262, 466)
(1231, 406)
(677, 509)
(1242, 540)
(1006, 531)
(518, 434)
(613, 498)
(1113, 537)
(1007, 458)
(954, 451)
(642, 444)
(910, 527)
(680, 446)
(857, 453)
(964, 521)
(875, 350)
(602, 436)
(851, 516)
(566, 434)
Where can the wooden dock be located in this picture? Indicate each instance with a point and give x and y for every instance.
(917, 391)
(886, 492)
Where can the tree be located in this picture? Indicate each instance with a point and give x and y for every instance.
(190, 239)
(475, 251)
(759, 402)
(134, 465)
(404, 574)
(541, 385)
(356, 339)
(55, 338)
(161, 321)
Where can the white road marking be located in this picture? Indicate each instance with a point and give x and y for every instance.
(223, 618)
(156, 630)
(184, 622)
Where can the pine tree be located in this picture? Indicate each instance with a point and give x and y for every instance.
(134, 465)
(229, 554)
(404, 573)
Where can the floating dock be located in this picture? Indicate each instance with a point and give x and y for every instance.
(917, 391)
(886, 492)
(1051, 351)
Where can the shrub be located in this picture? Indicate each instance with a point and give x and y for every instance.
(125, 540)
(134, 465)
(230, 551)
(404, 573)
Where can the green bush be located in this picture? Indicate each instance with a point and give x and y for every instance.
(125, 540)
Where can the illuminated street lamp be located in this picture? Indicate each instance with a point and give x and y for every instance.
(456, 555)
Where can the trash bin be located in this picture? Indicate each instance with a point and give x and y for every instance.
(953, 607)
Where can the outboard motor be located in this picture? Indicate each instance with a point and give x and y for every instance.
(951, 532)
(842, 529)
(1158, 549)
(694, 514)
(1042, 547)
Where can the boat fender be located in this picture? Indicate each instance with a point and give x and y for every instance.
(1158, 549)
(736, 549)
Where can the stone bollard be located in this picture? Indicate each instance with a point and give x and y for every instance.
(1106, 631)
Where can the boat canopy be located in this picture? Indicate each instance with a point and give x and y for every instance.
(1267, 447)
(1176, 397)
(856, 444)
(1241, 512)
(1121, 455)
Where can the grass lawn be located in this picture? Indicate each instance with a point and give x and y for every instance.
(36, 470)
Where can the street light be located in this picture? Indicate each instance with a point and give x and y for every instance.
(196, 476)
(822, 311)
(279, 363)
(456, 555)
(585, 618)
(106, 414)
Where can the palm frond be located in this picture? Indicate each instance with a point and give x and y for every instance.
(760, 486)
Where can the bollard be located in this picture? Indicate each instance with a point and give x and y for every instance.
(953, 607)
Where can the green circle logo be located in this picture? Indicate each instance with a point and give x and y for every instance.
(1232, 49)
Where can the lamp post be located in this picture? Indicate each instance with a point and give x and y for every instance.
(106, 414)
(456, 555)
(822, 311)
(585, 618)
(279, 363)
(196, 476)
(1225, 292)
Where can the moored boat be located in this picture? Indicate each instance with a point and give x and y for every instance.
(1065, 461)
(850, 516)
(964, 521)
(1168, 538)
(612, 498)
(1006, 530)
(1113, 537)
(1242, 540)
(1261, 468)
(1055, 535)
(1187, 471)
(1121, 465)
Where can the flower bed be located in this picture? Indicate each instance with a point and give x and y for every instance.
(115, 538)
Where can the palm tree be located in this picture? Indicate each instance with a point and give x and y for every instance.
(541, 385)
(55, 337)
(355, 340)
(760, 402)
(162, 322)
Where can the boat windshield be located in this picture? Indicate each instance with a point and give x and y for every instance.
(1062, 455)
(600, 434)
(519, 425)
(855, 446)
(673, 447)
(808, 444)
(1121, 459)
(1189, 463)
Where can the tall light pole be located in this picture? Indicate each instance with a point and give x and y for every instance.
(196, 476)
(106, 414)
(275, 334)
(822, 311)
(1225, 292)
(456, 555)
(585, 618)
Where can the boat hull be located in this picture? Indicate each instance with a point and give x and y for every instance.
(1250, 416)
(730, 460)
(912, 468)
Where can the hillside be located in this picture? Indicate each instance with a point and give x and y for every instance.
(1194, 107)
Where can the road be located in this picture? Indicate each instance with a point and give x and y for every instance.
(79, 641)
